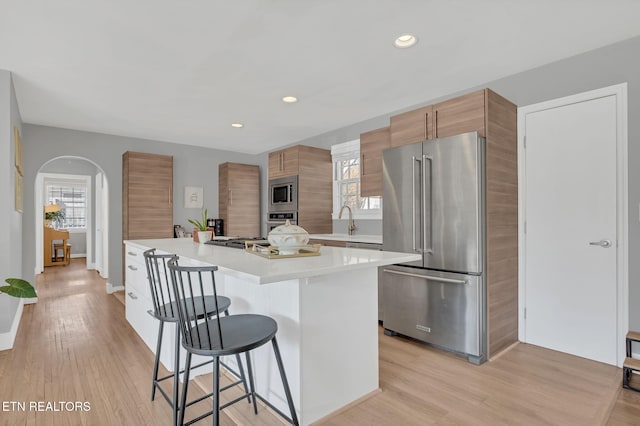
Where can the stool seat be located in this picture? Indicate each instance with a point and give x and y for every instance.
(66, 253)
(240, 333)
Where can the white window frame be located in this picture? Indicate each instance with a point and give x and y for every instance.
(341, 152)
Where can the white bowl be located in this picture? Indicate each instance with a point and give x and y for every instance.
(288, 238)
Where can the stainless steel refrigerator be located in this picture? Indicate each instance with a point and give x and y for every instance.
(433, 195)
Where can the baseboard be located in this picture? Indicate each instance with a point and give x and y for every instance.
(77, 255)
(7, 339)
(112, 289)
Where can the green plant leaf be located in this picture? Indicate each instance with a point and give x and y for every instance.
(202, 226)
(18, 288)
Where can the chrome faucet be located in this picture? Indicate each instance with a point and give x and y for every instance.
(352, 225)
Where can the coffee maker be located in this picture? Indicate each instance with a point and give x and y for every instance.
(217, 225)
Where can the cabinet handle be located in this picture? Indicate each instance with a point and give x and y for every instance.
(133, 268)
(435, 126)
(281, 161)
(426, 125)
(133, 296)
(132, 253)
(170, 195)
(362, 164)
(230, 197)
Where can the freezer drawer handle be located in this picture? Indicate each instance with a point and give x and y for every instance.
(428, 277)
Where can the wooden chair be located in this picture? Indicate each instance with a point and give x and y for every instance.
(630, 364)
(65, 249)
(220, 336)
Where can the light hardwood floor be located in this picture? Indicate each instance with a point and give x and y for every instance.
(75, 345)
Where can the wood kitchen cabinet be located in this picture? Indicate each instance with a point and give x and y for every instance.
(371, 146)
(147, 196)
(239, 199)
(460, 115)
(411, 126)
(313, 167)
(283, 163)
(495, 118)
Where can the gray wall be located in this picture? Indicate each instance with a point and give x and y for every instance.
(614, 64)
(193, 166)
(11, 237)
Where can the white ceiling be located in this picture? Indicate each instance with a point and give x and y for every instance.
(183, 71)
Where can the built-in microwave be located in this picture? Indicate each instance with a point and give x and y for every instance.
(283, 194)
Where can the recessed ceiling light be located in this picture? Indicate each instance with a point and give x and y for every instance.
(237, 125)
(289, 99)
(405, 40)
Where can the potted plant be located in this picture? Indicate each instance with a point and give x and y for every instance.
(54, 217)
(201, 233)
(18, 288)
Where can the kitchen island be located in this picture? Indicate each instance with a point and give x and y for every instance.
(325, 307)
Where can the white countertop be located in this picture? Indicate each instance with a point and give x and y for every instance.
(259, 270)
(374, 239)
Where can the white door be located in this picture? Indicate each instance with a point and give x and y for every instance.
(571, 226)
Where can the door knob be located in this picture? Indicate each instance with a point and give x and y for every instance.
(601, 243)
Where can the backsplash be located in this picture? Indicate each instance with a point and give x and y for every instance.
(364, 226)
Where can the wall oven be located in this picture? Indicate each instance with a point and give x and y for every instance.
(283, 194)
(277, 219)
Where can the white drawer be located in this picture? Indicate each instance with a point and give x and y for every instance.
(136, 307)
(134, 253)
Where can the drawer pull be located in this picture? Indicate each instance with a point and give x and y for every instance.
(133, 296)
(133, 268)
(132, 253)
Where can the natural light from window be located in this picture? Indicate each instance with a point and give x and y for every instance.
(346, 183)
(72, 198)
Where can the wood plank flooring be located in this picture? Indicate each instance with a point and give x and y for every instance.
(75, 345)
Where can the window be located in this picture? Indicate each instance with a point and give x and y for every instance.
(72, 198)
(346, 183)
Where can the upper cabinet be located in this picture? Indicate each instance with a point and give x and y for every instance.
(283, 163)
(463, 114)
(371, 146)
(460, 115)
(412, 126)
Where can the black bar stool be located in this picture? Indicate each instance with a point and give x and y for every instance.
(220, 336)
(165, 309)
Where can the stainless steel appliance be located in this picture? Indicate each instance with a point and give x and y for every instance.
(277, 219)
(283, 194)
(236, 242)
(433, 195)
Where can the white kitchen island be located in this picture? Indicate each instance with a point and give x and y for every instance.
(325, 306)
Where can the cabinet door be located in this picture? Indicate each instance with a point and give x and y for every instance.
(149, 196)
(243, 200)
(290, 161)
(411, 126)
(276, 168)
(371, 146)
(460, 115)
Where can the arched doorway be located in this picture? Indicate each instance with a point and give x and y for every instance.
(77, 169)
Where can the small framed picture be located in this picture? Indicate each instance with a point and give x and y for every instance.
(193, 197)
(178, 231)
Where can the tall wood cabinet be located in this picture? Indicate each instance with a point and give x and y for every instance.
(315, 184)
(147, 197)
(495, 118)
(239, 199)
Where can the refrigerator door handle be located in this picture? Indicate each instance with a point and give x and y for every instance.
(424, 203)
(413, 202)
(428, 277)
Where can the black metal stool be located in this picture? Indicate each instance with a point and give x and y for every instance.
(220, 336)
(165, 309)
